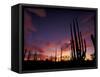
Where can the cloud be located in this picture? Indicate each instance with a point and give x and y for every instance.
(38, 11)
(28, 25)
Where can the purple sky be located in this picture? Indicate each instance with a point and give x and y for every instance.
(47, 28)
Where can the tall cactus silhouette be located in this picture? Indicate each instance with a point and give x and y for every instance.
(93, 38)
(94, 44)
(78, 44)
(72, 44)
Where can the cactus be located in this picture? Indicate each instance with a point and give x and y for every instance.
(78, 44)
(76, 39)
(72, 44)
(93, 40)
(94, 44)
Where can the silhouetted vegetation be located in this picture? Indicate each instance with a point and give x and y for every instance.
(78, 53)
(78, 44)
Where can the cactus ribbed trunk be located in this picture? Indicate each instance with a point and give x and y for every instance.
(93, 41)
(72, 44)
(76, 39)
(94, 44)
(78, 44)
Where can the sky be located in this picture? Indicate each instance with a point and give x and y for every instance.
(47, 30)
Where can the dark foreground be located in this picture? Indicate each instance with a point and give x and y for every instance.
(40, 65)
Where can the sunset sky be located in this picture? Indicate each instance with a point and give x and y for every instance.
(47, 30)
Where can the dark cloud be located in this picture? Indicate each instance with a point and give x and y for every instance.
(38, 11)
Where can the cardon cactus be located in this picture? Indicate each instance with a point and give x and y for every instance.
(78, 44)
